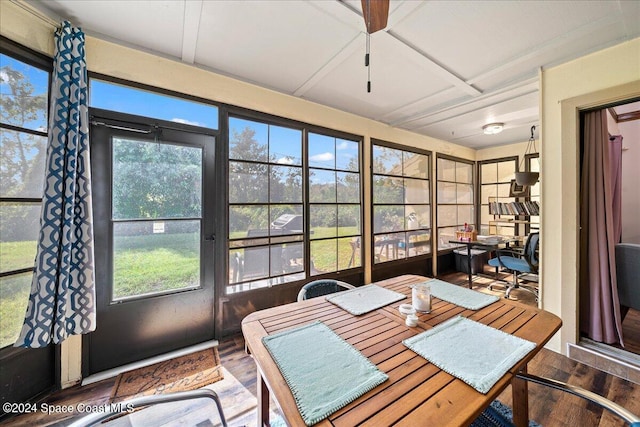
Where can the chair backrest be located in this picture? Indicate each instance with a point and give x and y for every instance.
(322, 287)
(531, 250)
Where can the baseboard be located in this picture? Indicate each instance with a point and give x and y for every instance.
(620, 363)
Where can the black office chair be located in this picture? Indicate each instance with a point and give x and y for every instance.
(525, 262)
(321, 287)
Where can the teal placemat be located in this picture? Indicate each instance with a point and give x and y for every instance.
(323, 371)
(477, 354)
(467, 298)
(364, 299)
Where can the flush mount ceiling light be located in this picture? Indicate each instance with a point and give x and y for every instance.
(492, 128)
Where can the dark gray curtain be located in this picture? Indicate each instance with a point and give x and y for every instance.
(599, 304)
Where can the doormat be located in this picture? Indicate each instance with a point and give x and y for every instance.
(188, 372)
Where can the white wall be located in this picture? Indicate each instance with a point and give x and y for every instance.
(630, 132)
(606, 76)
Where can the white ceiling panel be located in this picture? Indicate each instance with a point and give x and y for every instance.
(495, 32)
(394, 80)
(151, 25)
(440, 68)
(279, 44)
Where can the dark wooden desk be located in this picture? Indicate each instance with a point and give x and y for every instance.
(474, 244)
(417, 392)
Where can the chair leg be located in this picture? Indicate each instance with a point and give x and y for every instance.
(516, 285)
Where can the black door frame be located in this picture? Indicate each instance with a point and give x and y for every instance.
(102, 220)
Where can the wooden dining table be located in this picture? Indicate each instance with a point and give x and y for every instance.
(417, 392)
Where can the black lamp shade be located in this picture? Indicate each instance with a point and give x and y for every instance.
(526, 178)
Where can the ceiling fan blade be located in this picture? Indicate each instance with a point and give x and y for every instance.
(379, 13)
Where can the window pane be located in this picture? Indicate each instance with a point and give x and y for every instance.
(322, 151)
(465, 215)
(416, 165)
(348, 187)
(347, 157)
(286, 219)
(248, 140)
(126, 99)
(292, 257)
(23, 94)
(416, 191)
(489, 173)
(22, 164)
(285, 145)
(389, 247)
(252, 263)
(418, 216)
(323, 221)
(506, 171)
(388, 218)
(418, 243)
(248, 221)
(446, 170)
(155, 256)
(324, 256)
(444, 236)
(464, 193)
(488, 191)
(285, 184)
(388, 190)
(248, 183)
(446, 193)
(14, 297)
(447, 215)
(387, 161)
(504, 190)
(19, 229)
(349, 253)
(348, 220)
(464, 173)
(153, 180)
(322, 186)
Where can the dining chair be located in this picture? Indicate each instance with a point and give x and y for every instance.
(519, 262)
(321, 287)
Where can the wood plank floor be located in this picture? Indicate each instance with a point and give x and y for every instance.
(238, 393)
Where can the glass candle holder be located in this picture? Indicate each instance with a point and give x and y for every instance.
(421, 297)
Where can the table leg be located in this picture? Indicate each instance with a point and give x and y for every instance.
(520, 394)
(263, 401)
(469, 266)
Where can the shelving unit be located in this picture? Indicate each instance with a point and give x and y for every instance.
(515, 213)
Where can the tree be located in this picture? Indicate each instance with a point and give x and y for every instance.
(22, 156)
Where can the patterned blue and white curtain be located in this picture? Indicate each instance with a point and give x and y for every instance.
(62, 299)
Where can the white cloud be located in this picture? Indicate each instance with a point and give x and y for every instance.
(323, 157)
(342, 146)
(4, 77)
(285, 161)
(186, 122)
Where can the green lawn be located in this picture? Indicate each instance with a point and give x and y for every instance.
(142, 264)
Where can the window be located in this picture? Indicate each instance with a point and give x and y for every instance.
(24, 89)
(495, 184)
(401, 203)
(266, 226)
(455, 198)
(270, 240)
(334, 203)
(127, 99)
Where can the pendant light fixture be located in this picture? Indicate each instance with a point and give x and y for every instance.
(528, 178)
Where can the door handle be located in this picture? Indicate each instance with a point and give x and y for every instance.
(210, 238)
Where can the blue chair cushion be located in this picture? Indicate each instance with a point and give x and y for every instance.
(512, 263)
